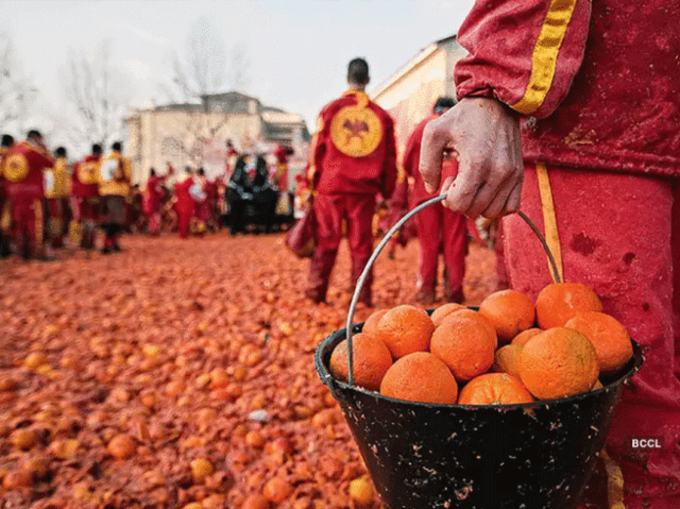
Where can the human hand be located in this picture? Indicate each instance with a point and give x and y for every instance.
(484, 136)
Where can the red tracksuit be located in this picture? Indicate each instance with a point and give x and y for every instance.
(439, 229)
(153, 198)
(597, 83)
(352, 159)
(184, 206)
(24, 166)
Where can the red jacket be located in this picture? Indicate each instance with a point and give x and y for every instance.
(412, 159)
(185, 203)
(353, 150)
(85, 177)
(23, 168)
(611, 66)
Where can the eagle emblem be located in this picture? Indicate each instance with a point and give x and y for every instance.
(356, 131)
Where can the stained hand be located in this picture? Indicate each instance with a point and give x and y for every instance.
(484, 136)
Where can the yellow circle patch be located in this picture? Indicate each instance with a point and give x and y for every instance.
(16, 168)
(356, 131)
(87, 174)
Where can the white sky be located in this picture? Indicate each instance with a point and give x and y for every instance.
(298, 50)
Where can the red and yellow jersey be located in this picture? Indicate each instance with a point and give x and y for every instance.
(411, 161)
(115, 175)
(24, 165)
(85, 177)
(353, 150)
(57, 180)
(597, 81)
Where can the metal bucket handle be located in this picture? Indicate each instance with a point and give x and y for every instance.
(381, 246)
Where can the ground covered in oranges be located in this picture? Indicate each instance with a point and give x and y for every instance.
(180, 374)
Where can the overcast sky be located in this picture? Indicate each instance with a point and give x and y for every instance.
(297, 49)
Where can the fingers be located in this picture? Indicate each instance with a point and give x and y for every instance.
(431, 155)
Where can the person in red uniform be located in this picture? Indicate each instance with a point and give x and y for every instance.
(184, 203)
(199, 192)
(56, 198)
(5, 210)
(153, 201)
(352, 159)
(284, 206)
(587, 94)
(439, 229)
(85, 197)
(25, 163)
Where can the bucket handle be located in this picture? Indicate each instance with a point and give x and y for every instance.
(381, 246)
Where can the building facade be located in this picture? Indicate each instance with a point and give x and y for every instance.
(409, 94)
(195, 134)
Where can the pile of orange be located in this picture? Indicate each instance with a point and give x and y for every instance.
(497, 355)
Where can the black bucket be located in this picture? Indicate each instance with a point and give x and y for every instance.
(429, 456)
(531, 456)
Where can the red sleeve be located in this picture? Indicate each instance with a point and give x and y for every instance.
(525, 53)
(390, 168)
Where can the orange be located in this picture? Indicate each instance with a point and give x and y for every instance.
(482, 320)
(442, 312)
(524, 336)
(558, 363)
(506, 360)
(406, 329)
(371, 323)
(610, 339)
(494, 389)
(558, 303)
(598, 385)
(465, 345)
(509, 311)
(370, 361)
(421, 377)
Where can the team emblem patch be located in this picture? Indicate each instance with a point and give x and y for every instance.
(16, 168)
(356, 131)
(88, 173)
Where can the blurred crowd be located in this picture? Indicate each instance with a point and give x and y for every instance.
(47, 201)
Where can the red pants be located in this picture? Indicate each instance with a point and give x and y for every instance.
(330, 210)
(155, 223)
(85, 208)
(27, 225)
(615, 234)
(442, 231)
(184, 222)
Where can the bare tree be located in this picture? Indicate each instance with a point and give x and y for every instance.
(201, 71)
(17, 94)
(97, 93)
(239, 69)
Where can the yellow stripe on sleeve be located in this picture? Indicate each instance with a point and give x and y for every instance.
(545, 54)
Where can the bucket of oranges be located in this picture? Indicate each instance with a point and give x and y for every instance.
(502, 406)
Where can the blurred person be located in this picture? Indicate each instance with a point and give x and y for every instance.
(25, 164)
(5, 209)
(284, 207)
(553, 115)
(153, 201)
(250, 177)
(183, 203)
(114, 187)
(352, 160)
(439, 229)
(85, 198)
(57, 194)
(199, 193)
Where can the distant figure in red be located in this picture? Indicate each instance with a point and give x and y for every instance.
(184, 203)
(24, 166)
(199, 192)
(153, 201)
(5, 210)
(85, 196)
(439, 229)
(284, 207)
(352, 159)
